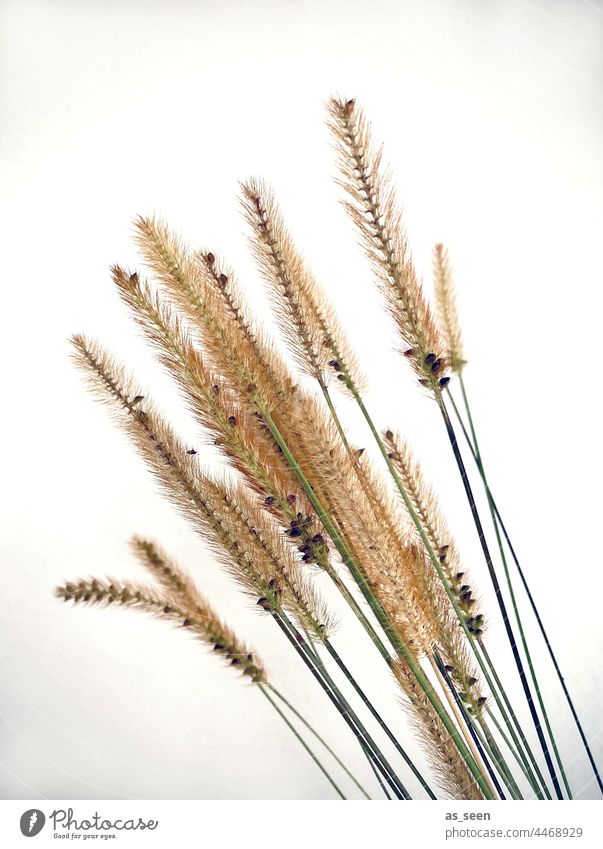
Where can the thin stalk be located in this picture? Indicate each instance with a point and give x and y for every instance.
(331, 683)
(526, 649)
(377, 609)
(474, 448)
(354, 461)
(351, 680)
(526, 763)
(454, 707)
(380, 780)
(486, 742)
(498, 758)
(481, 732)
(475, 647)
(323, 742)
(367, 753)
(336, 419)
(467, 724)
(483, 663)
(499, 597)
(488, 757)
(508, 743)
(476, 733)
(343, 708)
(301, 740)
(358, 611)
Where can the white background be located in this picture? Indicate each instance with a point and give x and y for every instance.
(491, 115)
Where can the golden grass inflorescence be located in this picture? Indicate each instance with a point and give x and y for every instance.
(300, 504)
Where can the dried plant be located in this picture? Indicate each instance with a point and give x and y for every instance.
(446, 307)
(372, 205)
(300, 504)
(308, 321)
(186, 608)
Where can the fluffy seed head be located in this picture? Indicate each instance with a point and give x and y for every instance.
(201, 621)
(372, 206)
(241, 355)
(450, 768)
(447, 309)
(305, 316)
(229, 415)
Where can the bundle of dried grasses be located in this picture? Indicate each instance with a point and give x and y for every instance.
(303, 500)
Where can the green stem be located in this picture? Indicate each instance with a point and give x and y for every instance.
(351, 680)
(335, 577)
(323, 742)
(473, 724)
(499, 759)
(499, 596)
(522, 634)
(476, 648)
(366, 742)
(478, 726)
(475, 451)
(380, 780)
(479, 735)
(437, 566)
(301, 740)
(331, 683)
(335, 417)
(530, 754)
(508, 743)
(377, 609)
(502, 765)
(360, 615)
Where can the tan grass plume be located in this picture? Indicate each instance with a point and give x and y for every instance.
(373, 207)
(451, 640)
(305, 315)
(447, 312)
(242, 355)
(196, 616)
(451, 770)
(238, 429)
(240, 531)
(431, 516)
